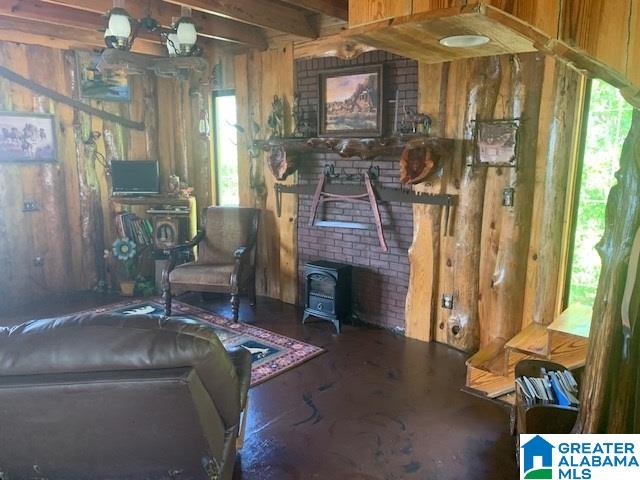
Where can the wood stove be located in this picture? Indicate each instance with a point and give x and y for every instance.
(328, 291)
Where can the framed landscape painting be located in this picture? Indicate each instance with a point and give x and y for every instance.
(351, 102)
(27, 137)
(110, 86)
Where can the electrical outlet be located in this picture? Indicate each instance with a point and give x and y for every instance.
(447, 301)
(507, 196)
(30, 206)
(38, 262)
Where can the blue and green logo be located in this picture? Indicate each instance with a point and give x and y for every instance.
(537, 459)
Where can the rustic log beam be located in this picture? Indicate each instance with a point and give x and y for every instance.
(609, 395)
(463, 326)
(338, 45)
(72, 102)
(38, 11)
(208, 25)
(255, 12)
(332, 8)
(48, 35)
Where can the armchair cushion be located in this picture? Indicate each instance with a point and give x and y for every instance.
(227, 228)
(201, 274)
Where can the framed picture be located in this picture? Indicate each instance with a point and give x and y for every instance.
(351, 102)
(110, 86)
(27, 137)
(497, 142)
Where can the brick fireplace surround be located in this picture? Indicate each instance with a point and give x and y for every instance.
(380, 279)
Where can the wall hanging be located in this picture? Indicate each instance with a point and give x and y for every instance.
(496, 142)
(27, 137)
(110, 85)
(351, 102)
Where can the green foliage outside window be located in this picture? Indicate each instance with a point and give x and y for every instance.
(608, 123)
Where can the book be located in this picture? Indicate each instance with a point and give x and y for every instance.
(554, 388)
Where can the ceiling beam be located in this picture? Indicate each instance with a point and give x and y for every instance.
(37, 33)
(38, 11)
(332, 8)
(208, 26)
(256, 12)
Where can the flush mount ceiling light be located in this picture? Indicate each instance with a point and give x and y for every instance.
(464, 41)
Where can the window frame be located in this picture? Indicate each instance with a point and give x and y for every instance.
(227, 92)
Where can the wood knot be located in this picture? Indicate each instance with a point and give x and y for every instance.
(449, 262)
(455, 329)
(534, 256)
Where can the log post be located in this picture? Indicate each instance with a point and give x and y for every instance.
(424, 253)
(551, 218)
(609, 393)
(463, 326)
(509, 274)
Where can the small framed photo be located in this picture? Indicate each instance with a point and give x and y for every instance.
(496, 143)
(109, 86)
(351, 102)
(27, 137)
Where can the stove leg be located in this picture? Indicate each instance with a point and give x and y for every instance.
(338, 325)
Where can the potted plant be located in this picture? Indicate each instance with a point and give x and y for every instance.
(124, 251)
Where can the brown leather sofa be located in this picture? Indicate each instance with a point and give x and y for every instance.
(99, 396)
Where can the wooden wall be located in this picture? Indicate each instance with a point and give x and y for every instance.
(607, 30)
(501, 264)
(258, 77)
(73, 224)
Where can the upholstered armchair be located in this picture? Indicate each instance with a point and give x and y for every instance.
(226, 258)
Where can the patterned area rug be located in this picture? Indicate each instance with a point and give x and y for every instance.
(271, 353)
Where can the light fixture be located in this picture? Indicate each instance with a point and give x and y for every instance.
(120, 29)
(173, 46)
(182, 41)
(464, 41)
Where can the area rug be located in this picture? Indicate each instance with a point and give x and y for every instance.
(271, 353)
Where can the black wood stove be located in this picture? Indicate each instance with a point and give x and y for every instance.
(328, 291)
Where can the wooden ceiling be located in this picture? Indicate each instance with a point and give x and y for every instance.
(244, 23)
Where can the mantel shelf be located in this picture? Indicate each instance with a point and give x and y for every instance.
(365, 148)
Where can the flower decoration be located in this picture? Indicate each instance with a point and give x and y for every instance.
(124, 249)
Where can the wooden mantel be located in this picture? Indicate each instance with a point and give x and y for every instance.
(417, 36)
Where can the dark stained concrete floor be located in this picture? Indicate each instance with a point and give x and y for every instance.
(375, 406)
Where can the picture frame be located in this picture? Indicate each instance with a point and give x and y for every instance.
(27, 137)
(496, 142)
(109, 86)
(351, 102)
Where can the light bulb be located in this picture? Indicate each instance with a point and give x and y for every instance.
(119, 23)
(187, 34)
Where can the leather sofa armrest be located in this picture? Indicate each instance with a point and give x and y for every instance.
(241, 359)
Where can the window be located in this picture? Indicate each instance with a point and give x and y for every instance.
(608, 121)
(226, 152)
